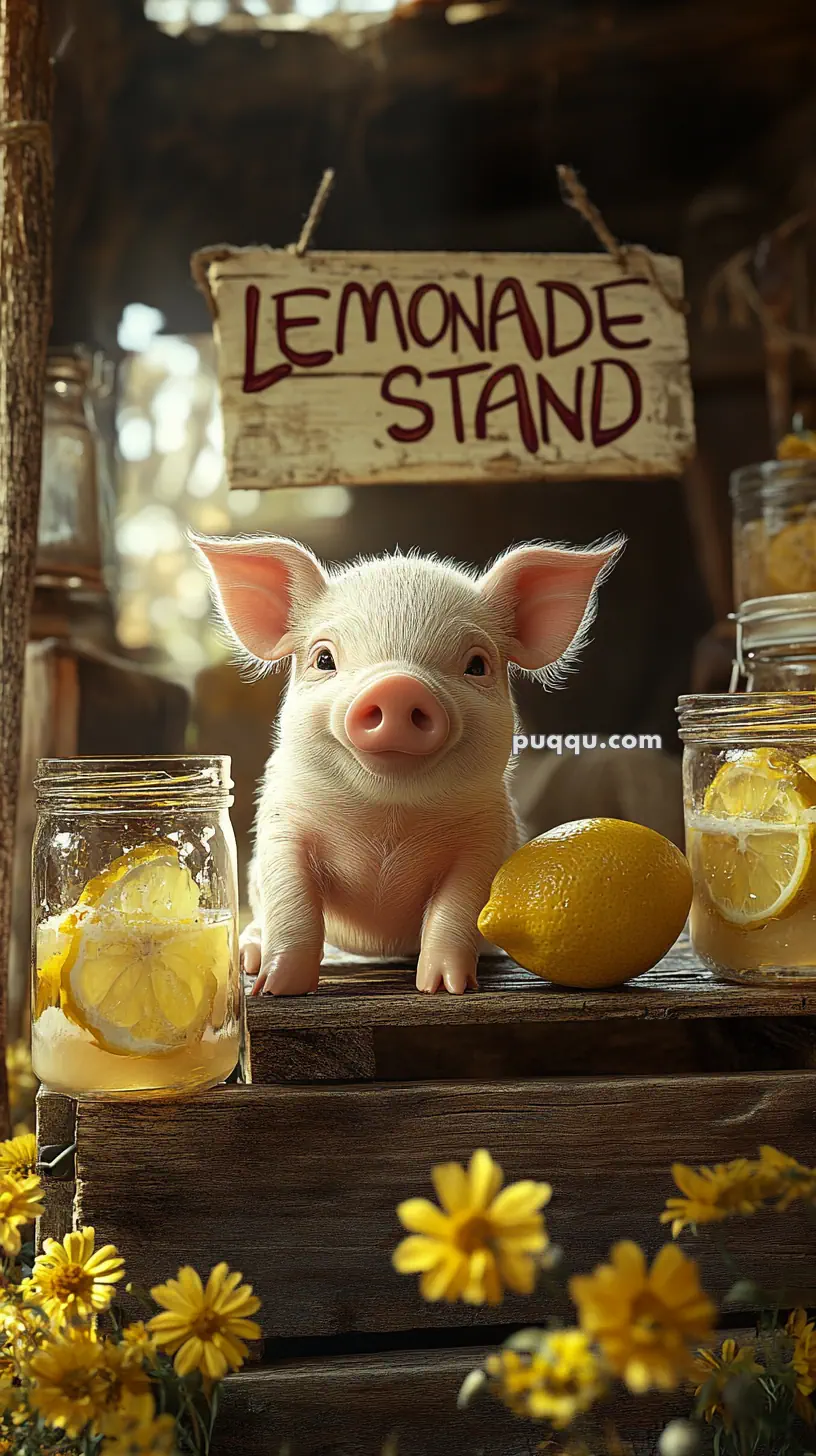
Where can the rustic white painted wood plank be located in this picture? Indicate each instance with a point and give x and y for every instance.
(355, 368)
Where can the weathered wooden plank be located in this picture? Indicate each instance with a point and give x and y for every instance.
(351, 1406)
(298, 1186)
(357, 992)
(448, 367)
(312, 1056)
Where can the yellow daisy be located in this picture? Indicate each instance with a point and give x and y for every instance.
(21, 1202)
(127, 1395)
(481, 1241)
(137, 1337)
(133, 1437)
(18, 1156)
(556, 1382)
(645, 1320)
(715, 1372)
(205, 1328)
(785, 1179)
(803, 1361)
(68, 1386)
(713, 1193)
(22, 1328)
(70, 1281)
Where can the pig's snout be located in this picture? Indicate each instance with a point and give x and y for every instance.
(398, 714)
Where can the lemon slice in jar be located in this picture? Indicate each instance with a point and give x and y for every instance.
(54, 935)
(143, 968)
(754, 846)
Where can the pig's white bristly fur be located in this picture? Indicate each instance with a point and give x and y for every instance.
(386, 860)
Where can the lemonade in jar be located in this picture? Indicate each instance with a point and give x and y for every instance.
(749, 783)
(135, 982)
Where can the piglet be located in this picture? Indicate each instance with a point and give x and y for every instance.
(385, 810)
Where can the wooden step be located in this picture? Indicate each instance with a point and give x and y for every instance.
(367, 1022)
(353, 1406)
(298, 1186)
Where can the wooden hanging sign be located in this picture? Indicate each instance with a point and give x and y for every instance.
(357, 368)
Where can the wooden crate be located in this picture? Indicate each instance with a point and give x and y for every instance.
(356, 1092)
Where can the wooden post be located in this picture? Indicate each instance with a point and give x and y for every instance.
(26, 188)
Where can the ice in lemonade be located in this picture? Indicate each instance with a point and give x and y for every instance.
(134, 990)
(753, 857)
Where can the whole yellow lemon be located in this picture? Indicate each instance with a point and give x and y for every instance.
(592, 903)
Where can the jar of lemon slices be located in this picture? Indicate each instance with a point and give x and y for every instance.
(774, 528)
(135, 984)
(749, 785)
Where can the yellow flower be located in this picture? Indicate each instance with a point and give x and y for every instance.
(803, 1361)
(127, 1388)
(134, 1437)
(645, 1320)
(68, 1387)
(713, 1193)
(715, 1372)
(21, 1202)
(555, 1382)
(18, 1156)
(70, 1282)
(784, 1179)
(137, 1337)
(79, 1381)
(22, 1328)
(481, 1240)
(205, 1328)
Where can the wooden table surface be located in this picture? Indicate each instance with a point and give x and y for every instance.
(355, 992)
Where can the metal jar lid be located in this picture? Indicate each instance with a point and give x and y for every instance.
(763, 622)
(776, 621)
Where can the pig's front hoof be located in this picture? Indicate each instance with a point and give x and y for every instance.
(251, 958)
(289, 973)
(428, 978)
(456, 971)
(250, 949)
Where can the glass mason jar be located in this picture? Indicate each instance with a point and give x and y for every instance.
(135, 984)
(70, 533)
(774, 528)
(776, 644)
(749, 790)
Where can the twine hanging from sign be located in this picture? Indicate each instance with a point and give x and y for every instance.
(200, 261)
(625, 255)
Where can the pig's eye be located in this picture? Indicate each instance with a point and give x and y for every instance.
(477, 667)
(324, 662)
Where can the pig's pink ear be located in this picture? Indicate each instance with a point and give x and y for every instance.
(261, 584)
(548, 596)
